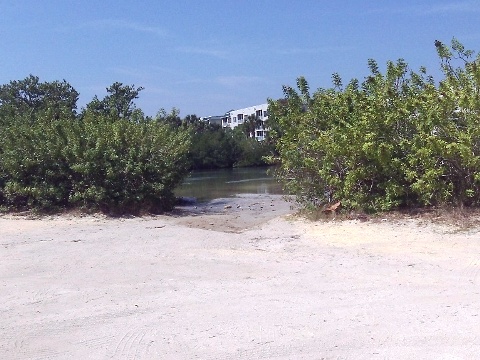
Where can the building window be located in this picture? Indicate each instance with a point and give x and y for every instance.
(240, 117)
(234, 119)
(265, 113)
(259, 113)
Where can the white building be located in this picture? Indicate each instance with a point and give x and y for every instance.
(213, 120)
(233, 118)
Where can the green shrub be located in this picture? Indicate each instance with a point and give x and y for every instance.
(127, 166)
(100, 162)
(36, 174)
(394, 140)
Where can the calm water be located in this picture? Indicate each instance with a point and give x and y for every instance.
(212, 184)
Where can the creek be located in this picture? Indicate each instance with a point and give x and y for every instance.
(206, 185)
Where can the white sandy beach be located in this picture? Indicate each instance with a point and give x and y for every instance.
(247, 282)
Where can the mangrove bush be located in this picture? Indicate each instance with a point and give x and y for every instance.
(110, 157)
(397, 139)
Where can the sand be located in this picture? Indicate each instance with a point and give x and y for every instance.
(237, 279)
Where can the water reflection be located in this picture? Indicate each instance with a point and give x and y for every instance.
(212, 184)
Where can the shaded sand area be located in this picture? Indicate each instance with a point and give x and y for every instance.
(237, 279)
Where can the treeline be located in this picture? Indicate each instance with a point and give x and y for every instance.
(108, 156)
(214, 147)
(397, 139)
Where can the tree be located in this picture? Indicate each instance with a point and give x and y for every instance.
(172, 118)
(394, 140)
(28, 98)
(192, 120)
(252, 123)
(119, 102)
(113, 159)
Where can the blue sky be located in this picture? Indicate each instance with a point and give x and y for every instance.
(206, 57)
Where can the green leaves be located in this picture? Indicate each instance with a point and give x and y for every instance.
(29, 98)
(110, 158)
(396, 140)
(110, 164)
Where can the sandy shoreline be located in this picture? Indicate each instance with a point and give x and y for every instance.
(237, 279)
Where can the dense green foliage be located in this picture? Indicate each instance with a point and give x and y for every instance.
(250, 151)
(109, 158)
(213, 147)
(397, 139)
(29, 98)
(119, 102)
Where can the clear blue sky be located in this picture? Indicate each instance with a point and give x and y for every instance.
(206, 57)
